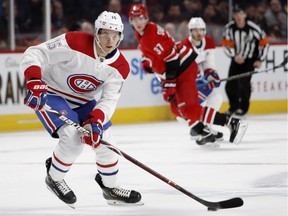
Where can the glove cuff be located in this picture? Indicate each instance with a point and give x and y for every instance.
(97, 114)
(37, 85)
(33, 72)
(169, 83)
(208, 71)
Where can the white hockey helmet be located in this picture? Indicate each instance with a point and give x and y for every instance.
(111, 21)
(196, 23)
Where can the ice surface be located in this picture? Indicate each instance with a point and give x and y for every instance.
(255, 170)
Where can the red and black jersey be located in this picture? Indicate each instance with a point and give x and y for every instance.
(168, 59)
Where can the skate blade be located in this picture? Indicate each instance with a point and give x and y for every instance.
(210, 145)
(121, 203)
(195, 137)
(70, 205)
(241, 131)
(220, 139)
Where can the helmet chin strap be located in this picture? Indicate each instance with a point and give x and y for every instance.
(99, 45)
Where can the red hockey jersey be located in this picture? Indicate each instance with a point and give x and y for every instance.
(159, 48)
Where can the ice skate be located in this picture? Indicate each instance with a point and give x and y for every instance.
(196, 131)
(195, 134)
(218, 135)
(119, 196)
(206, 137)
(60, 188)
(237, 128)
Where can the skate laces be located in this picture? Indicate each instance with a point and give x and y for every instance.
(121, 192)
(62, 186)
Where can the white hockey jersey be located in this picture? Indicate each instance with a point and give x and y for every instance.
(205, 59)
(70, 66)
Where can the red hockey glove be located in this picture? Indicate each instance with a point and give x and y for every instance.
(169, 89)
(212, 78)
(94, 124)
(147, 67)
(36, 96)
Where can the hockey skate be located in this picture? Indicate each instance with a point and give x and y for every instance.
(237, 128)
(209, 136)
(60, 188)
(194, 135)
(206, 137)
(196, 131)
(218, 135)
(119, 196)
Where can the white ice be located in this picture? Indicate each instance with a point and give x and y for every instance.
(255, 170)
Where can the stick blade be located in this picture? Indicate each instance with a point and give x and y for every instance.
(285, 61)
(283, 64)
(231, 203)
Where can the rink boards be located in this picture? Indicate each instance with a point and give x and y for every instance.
(141, 99)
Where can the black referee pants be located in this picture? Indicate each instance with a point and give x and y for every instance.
(239, 90)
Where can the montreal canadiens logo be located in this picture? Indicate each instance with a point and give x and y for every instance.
(83, 83)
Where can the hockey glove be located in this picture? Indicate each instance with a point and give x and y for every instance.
(169, 89)
(36, 96)
(94, 124)
(212, 78)
(146, 65)
(203, 90)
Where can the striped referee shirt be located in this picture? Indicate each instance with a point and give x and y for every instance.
(250, 42)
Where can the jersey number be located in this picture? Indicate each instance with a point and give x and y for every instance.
(158, 49)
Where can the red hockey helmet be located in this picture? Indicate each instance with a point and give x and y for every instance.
(138, 10)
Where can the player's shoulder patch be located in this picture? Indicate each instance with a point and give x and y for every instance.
(121, 65)
(81, 42)
(209, 42)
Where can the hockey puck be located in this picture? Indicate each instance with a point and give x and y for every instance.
(212, 209)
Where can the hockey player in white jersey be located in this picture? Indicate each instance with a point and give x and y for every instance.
(69, 73)
(208, 93)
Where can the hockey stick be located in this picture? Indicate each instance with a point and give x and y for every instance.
(172, 100)
(249, 73)
(212, 206)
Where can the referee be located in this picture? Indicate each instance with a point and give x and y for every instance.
(247, 45)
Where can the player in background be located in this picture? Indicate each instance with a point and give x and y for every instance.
(67, 73)
(208, 93)
(175, 65)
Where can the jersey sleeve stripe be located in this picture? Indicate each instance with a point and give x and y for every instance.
(263, 41)
(228, 43)
(172, 56)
